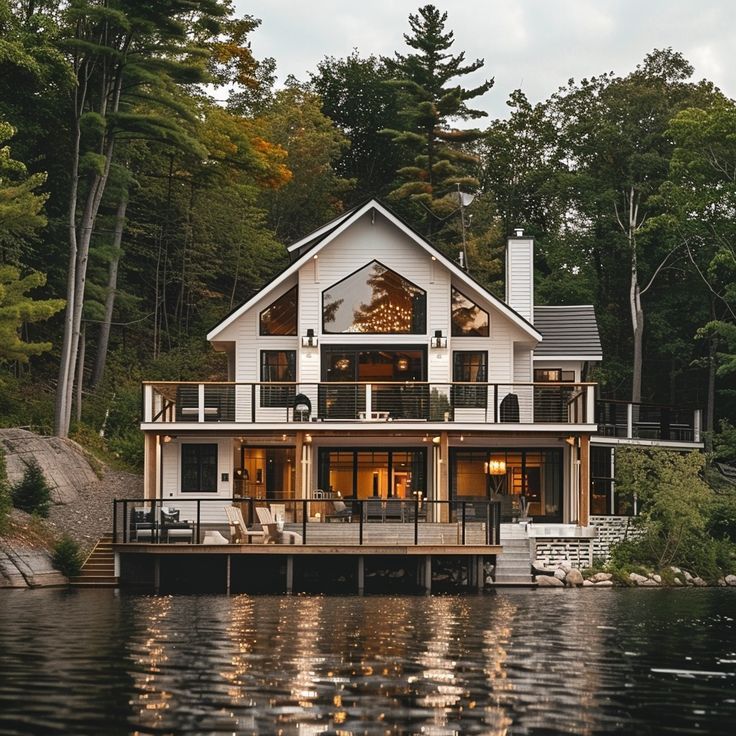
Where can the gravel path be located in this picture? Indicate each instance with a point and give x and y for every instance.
(89, 516)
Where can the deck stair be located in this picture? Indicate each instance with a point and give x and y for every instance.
(98, 570)
(514, 566)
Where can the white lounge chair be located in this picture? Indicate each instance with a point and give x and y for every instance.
(239, 532)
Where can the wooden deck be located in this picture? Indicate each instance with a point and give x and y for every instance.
(461, 550)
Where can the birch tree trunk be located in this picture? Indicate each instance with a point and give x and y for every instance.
(103, 338)
(80, 233)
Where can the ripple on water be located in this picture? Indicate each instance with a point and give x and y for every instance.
(92, 662)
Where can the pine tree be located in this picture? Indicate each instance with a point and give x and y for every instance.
(430, 101)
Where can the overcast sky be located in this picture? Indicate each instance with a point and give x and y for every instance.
(533, 44)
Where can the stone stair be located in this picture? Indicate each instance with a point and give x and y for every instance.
(514, 566)
(98, 570)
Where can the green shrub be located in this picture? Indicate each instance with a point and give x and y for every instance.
(722, 517)
(32, 494)
(67, 557)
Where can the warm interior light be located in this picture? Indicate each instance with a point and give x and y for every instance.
(496, 467)
(167, 438)
(402, 364)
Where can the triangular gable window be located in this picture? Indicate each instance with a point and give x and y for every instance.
(468, 319)
(374, 301)
(280, 317)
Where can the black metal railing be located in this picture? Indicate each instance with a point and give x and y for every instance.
(467, 402)
(646, 421)
(310, 521)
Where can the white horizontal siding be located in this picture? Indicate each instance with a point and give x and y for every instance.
(211, 511)
(374, 238)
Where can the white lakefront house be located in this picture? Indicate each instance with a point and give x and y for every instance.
(375, 371)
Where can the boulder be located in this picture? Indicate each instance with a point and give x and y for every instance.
(538, 566)
(687, 575)
(730, 579)
(588, 584)
(601, 577)
(722, 583)
(678, 581)
(638, 579)
(574, 577)
(675, 570)
(565, 565)
(699, 582)
(560, 574)
(549, 581)
(604, 584)
(657, 578)
(647, 583)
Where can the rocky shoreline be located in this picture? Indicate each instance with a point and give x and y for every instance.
(564, 575)
(82, 492)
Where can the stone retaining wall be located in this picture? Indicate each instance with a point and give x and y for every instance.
(551, 551)
(611, 530)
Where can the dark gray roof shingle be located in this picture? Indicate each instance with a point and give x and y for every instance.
(567, 331)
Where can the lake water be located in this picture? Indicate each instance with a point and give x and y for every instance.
(626, 661)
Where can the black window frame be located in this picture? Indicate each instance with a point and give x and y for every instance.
(277, 396)
(263, 333)
(198, 449)
(470, 397)
(419, 321)
(457, 332)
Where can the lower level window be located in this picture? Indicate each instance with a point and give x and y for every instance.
(199, 468)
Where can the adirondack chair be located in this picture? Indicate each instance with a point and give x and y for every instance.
(239, 532)
(271, 533)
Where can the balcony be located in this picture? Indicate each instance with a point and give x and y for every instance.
(626, 420)
(367, 403)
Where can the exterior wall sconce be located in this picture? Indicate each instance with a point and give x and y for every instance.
(438, 341)
(310, 340)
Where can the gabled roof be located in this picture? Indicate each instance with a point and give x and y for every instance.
(324, 235)
(570, 333)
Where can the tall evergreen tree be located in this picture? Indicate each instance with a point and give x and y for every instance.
(430, 100)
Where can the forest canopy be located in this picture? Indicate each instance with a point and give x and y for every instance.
(152, 171)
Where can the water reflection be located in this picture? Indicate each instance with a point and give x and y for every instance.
(543, 662)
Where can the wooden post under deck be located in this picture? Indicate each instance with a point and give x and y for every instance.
(584, 482)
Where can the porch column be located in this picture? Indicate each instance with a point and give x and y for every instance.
(441, 468)
(299, 473)
(151, 459)
(584, 481)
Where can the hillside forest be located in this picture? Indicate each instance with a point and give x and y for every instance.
(152, 171)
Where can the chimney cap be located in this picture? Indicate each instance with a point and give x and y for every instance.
(519, 232)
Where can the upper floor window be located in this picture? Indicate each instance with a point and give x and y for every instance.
(278, 366)
(279, 318)
(374, 300)
(468, 319)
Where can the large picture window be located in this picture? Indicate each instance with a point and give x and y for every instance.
(374, 301)
(278, 366)
(280, 318)
(468, 319)
(199, 468)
